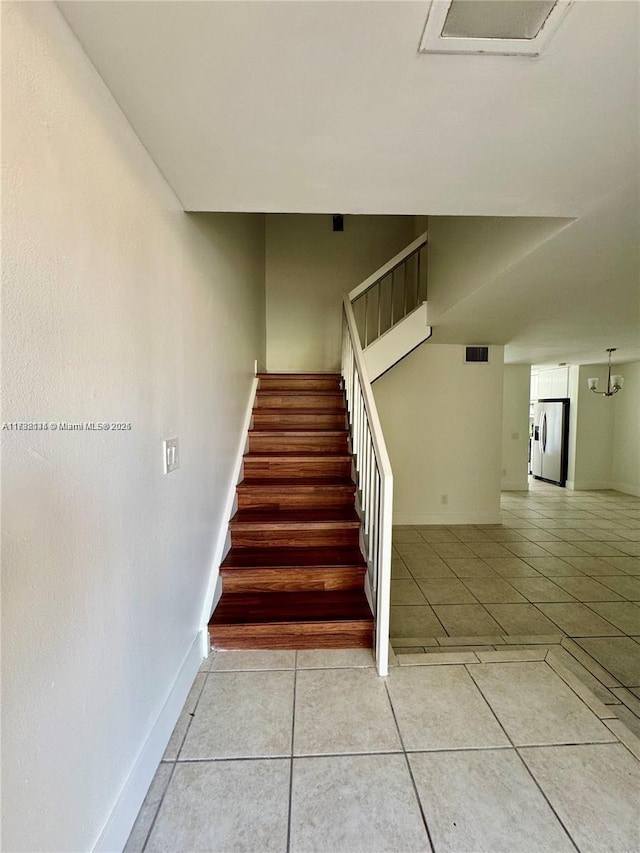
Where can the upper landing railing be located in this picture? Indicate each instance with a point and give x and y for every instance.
(404, 280)
(391, 293)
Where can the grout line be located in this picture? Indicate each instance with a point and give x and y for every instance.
(515, 748)
(410, 771)
(191, 714)
(293, 731)
(155, 817)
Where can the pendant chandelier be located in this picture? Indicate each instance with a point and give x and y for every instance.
(614, 383)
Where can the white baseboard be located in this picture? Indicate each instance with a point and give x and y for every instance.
(600, 485)
(131, 796)
(515, 486)
(626, 488)
(591, 485)
(447, 518)
(211, 600)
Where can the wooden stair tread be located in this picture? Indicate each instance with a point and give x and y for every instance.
(298, 483)
(301, 392)
(299, 376)
(297, 410)
(345, 516)
(293, 431)
(280, 558)
(245, 608)
(296, 454)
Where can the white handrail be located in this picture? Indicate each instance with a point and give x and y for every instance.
(375, 480)
(385, 269)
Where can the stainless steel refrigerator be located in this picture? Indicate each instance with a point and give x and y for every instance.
(550, 440)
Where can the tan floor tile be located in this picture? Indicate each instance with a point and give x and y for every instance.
(242, 715)
(618, 655)
(535, 706)
(485, 801)
(471, 568)
(565, 549)
(629, 565)
(540, 589)
(624, 585)
(512, 567)
(594, 791)
(414, 621)
(458, 716)
(531, 549)
(623, 614)
(334, 658)
(406, 591)
(343, 710)
(430, 567)
(235, 661)
(579, 620)
(412, 552)
(406, 535)
(249, 798)
(587, 589)
(521, 619)
(348, 804)
(445, 591)
(457, 550)
(465, 620)
(493, 590)
(613, 549)
(592, 565)
(553, 566)
(490, 549)
(432, 658)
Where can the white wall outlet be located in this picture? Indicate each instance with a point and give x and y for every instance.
(444, 499)
(170, 453)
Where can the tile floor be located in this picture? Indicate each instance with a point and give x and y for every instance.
(312, 751)
(510, 720)
(560, 562)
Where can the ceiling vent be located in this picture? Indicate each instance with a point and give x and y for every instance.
(506, 27)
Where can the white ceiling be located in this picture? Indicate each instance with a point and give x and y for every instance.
(328, 107)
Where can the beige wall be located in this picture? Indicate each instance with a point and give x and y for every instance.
(442, 422)
(594, 431)
(466, 252)
(117, 306)
(515, 427)
(604, 433)
(309, 268)
(625, 466)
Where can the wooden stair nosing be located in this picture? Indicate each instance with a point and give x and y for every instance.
(295, 518)
(322, 557)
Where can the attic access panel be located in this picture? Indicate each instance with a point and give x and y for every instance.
(503, 27)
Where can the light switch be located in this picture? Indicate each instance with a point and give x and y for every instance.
(171, 459)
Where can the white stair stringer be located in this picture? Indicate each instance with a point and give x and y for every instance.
(397, 342)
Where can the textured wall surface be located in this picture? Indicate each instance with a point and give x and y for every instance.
(515, 426)
(442, 422)
(309, 269)
(118, 307)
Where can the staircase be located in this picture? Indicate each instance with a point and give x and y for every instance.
(294, 576)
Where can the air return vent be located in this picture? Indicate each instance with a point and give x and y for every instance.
(508, 27)
(476, 354)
